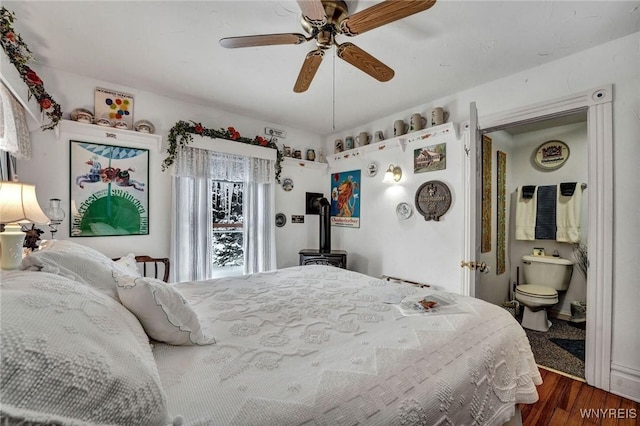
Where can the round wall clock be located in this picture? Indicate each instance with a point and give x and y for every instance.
(433, 199)
(551, 155)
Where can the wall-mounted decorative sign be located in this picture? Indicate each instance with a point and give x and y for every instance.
(430, 159)
(433, 199)
(501, 231)
(551, 155)
(485, 219)
(109, 190)
(345, 199)
(113, 109)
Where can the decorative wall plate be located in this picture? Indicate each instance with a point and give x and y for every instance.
(287, 184)
(551, 155)
(404, 211)
(372, 169)
(281, 220)
(433, 199)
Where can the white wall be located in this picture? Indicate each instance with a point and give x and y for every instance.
(49, 167)
(617, 63)
(386, 245)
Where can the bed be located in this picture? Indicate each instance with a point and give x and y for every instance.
(308, 345)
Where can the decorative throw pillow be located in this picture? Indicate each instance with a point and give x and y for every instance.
(163, 312)
(71, 355)
(77, 262)
(129, 262)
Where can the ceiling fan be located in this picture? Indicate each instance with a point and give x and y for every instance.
(323, 20)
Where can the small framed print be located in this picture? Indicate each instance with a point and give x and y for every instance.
(113, 108)
(551, 155)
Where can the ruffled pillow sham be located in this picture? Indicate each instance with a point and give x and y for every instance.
(163, 312)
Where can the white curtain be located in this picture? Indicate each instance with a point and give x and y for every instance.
(14, 132)
(258, 210)
(192, 220)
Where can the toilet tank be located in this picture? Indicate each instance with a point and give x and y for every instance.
(550, 271)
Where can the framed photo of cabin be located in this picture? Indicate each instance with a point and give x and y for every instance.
(109, 190)
(430, 158)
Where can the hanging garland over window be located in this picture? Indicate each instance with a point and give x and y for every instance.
(181, 135)
(19, 54)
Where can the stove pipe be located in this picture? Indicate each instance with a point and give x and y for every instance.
(325, 224)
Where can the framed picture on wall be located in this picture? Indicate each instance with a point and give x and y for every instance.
(345, 199)
(109, 190)
(113, 108)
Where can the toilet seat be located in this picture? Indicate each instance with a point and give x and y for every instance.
(538, 291)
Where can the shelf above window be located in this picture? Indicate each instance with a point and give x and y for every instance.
(95, 131)
(295, 162)
(399, 141)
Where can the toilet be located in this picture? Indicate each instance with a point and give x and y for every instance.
(544, 277)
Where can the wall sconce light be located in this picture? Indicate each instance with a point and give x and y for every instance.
(18, 204)
(393, 174)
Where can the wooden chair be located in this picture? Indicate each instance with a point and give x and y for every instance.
(154, 263)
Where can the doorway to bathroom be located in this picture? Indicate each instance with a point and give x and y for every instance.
(597, 103)
(509, 162)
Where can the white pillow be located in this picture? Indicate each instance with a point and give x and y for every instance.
(71, 355)
(129, 262)
(77, 262)
(163, 312)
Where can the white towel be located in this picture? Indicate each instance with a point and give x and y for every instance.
(568, 216)
(526, 215)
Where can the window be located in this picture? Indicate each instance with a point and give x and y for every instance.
(228, 224)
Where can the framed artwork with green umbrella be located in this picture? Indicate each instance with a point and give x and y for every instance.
(109, 190)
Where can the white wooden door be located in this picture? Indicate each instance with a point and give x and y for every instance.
(473, 199)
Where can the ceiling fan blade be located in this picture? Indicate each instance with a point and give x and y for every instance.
(364, 61)
(382, 14)
(262, 40)
(313, 10)
(308, 70)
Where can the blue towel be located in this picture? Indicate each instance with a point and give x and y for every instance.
(528, 190)
(546, 213)
(567, 188)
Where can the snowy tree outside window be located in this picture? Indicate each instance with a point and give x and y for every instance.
(228, 224)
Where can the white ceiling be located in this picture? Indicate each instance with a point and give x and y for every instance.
(171, 48)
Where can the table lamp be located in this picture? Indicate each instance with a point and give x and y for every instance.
(18, 204)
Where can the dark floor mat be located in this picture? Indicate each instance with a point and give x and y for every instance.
(574, 347)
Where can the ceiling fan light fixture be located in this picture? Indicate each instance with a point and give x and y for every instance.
(323, 20)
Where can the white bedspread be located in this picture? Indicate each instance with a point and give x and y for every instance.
(317, 345)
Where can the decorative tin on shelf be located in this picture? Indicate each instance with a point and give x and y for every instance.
(433, 199)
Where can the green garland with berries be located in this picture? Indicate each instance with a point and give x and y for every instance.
(19, 55)
(181, 135)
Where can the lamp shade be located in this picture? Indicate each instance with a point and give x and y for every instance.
(18, 204)
(393, 174)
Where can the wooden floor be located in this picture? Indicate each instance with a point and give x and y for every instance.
(562, 398)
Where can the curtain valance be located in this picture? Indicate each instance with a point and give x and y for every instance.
(204, 163)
